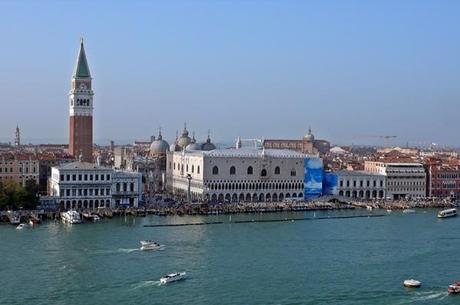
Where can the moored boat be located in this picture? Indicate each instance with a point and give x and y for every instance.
(412, 283)
(408, 211)
(71, 216)
(447, 213)
(172, 277)
(454, 288)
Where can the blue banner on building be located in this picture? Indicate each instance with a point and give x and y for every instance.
(313, 177)
(330, 184)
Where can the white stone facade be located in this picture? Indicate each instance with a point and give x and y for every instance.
(81, 185)
(404, 180)
(236, 175)
(126, 188)
(361, 184)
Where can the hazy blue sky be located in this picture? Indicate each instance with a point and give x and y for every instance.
(251, 68)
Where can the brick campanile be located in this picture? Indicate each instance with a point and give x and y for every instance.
(81, 110)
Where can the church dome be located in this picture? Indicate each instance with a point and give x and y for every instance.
(309, 136)
(193, 146)
(208, 145)
(159, 146)
(184, 139)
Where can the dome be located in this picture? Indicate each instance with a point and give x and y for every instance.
(159, 146)
(174, 147)
(309, 136)
(184, 139)
(193, 146)
(208, 145)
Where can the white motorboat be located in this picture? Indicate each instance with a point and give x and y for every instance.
(20, 226)
(149, 245)
(447, 213)
(96, 217)
(71, 216)
(408, 211)
(172, 277)
(412, 283)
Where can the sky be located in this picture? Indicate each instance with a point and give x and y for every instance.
(352, 70)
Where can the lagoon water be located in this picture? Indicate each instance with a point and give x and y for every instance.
(331, 261)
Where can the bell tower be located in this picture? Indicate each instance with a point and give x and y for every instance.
(81, 110)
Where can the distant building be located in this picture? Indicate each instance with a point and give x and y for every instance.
(307, 145)
(126, 188)
(443, 179)
(236, 175)
(17, 137)
(404, 180)
(19, 168)
(361, 184)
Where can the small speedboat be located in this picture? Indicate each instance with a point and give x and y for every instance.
(408, 211)
(454, 288)
(20, 226)
(172, 277)
(149, 245)
(147, 242)
(412, 283)
(447, 213)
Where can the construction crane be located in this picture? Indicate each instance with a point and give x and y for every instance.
(386, 139)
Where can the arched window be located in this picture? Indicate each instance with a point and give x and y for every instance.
(277, 170)
(198, 169)
(215, 170)
(193, 169)
(250, 170)
(232, 170)
(263, 173)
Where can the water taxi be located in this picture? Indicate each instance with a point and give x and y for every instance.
(412, 283)
(447, 213)
(172, 277)
(454, 288)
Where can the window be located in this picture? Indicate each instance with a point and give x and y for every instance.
(215, 170)
(86, 177)
(79, 177)
(131, 187)
(96, 177)
(118, 187)
(250, 170)
(62, 178)
(232, 170)
(91, 177)
(193, 169)
(293, 173)
(263, 173)
(198, 169)
(277, 170)
(74, 177)
(102, 177)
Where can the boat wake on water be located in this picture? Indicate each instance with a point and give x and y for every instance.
(122, 250)
(429, 295)
(145, 284)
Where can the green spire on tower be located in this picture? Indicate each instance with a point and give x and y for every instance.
(81, 67)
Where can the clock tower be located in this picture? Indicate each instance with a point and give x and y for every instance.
(81, 110)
